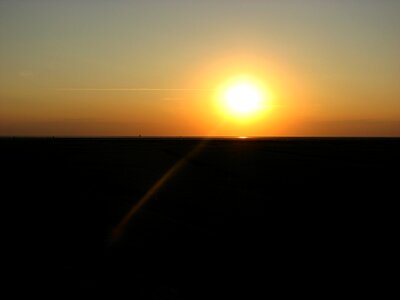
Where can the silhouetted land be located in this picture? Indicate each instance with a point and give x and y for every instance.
(242, 217)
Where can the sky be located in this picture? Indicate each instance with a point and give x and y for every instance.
(153, 68)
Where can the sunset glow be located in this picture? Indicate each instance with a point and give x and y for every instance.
(243, 99)
(177, 68)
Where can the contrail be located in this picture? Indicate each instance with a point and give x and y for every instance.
(127, 89)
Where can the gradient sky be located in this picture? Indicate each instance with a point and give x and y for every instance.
(151, 67)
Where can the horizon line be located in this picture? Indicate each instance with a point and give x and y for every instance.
(190, 137)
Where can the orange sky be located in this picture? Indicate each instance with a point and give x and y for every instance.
(130, 68)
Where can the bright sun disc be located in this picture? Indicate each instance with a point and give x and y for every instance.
(243, 99)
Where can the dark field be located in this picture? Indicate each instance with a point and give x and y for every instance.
(240, 217)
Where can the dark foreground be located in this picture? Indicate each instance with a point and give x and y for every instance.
(240, 218)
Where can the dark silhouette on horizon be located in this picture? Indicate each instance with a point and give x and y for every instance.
(236, 217)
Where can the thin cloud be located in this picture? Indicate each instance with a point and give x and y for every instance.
(172, 98)
(126, 89)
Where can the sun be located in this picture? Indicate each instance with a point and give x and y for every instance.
(243, 99)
